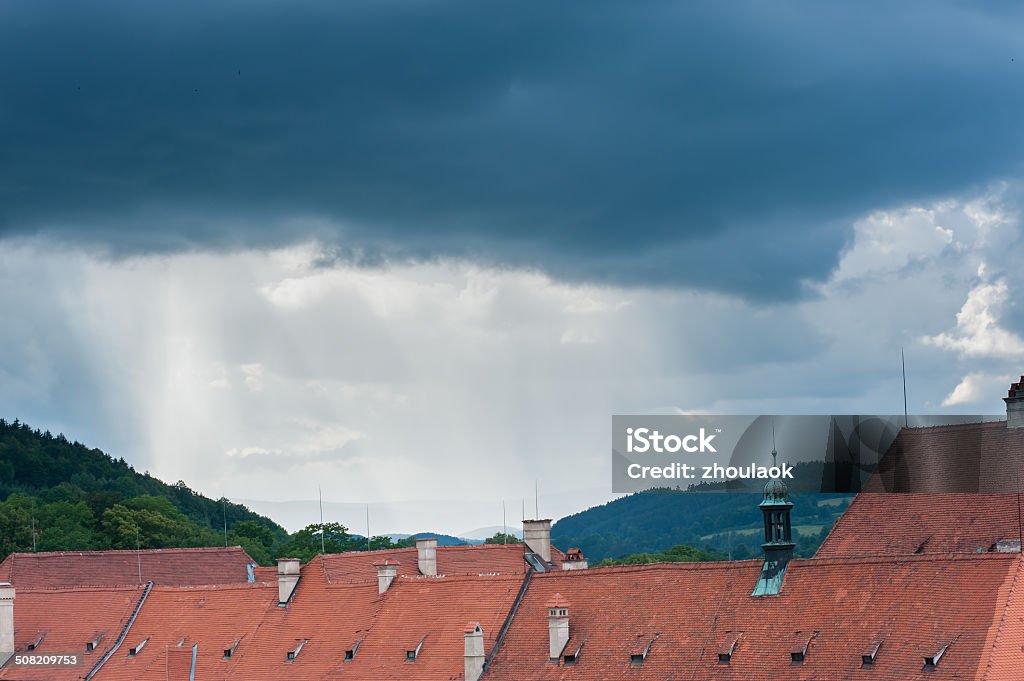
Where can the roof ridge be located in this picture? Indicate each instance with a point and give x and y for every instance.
(107, 552)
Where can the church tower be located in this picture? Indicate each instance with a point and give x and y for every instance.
(778, 535)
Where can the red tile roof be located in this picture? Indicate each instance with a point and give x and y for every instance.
(68, 619)
(878, 523)
(915, 604)
(112, 568)
(959, 459)
(358, 566)
(973, 457)
(434, 611)
(327, 619)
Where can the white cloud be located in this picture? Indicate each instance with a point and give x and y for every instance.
(978, 331)
(262, 374)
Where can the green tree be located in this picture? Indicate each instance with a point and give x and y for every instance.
(502, 538)
(65, 526)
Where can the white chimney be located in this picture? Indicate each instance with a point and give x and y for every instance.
(474, 652)
(558, 626)
(575, 560)
(287, 578)
(426, 555)
(537, 535)
(6, 621)
(386, 573)
(1015, 405)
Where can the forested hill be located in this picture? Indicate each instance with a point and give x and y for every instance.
(71, 497)
(729, 524)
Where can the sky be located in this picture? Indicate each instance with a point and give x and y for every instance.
(417, 253)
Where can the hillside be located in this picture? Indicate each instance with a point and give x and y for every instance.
(61, 495)
(657, 520)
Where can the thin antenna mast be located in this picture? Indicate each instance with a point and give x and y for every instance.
(367, 527)
(224, 503)
(321, 493)
(504, 523)
(536, 498)
(903, 363)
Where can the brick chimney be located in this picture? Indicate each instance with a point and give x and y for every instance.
(558, 626)
(287, 578)
(537, 536)
(426, 556)
(386, 573)
(6, 621)
(1015, 405)
(575, 560)
(474, 652)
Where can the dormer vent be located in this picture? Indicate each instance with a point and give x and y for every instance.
(138, 647)
(412, 653)
(869, 656)
(294, 653)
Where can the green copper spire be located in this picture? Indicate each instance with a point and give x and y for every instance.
(778, 532)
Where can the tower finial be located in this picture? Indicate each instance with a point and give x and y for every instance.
(775, 453)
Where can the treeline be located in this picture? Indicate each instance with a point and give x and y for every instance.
(60, 495)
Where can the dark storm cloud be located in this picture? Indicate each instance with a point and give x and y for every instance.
(724, 145)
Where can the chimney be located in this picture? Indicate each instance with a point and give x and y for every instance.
(537, 536)
(474, 652)
(1015, 405)
(575, 560)
(6, 621)
(426, 555)
(386, 573)
(287, 578)
(558, 626)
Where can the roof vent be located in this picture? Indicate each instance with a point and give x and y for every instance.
(801, 643)
(294, 653)
(638, 655)
(350, 654)
(138, 648)
(91, 645)
(932, 661)
(228, 652)
(574, 656)
(412, 654)
(868, 658)
(36, 641)
(728, 647)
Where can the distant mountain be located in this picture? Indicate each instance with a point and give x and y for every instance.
(482, 533)
(657, 520)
